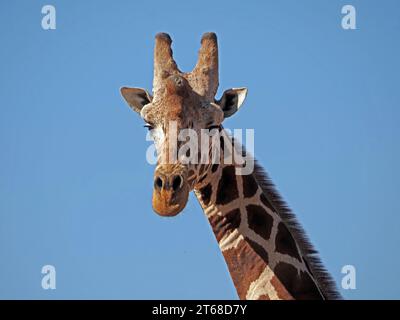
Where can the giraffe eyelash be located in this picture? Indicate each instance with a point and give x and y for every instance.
(148, 126)
(213, 127)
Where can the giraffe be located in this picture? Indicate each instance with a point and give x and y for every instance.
(266, 250)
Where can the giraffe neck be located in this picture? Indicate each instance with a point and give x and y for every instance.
(262, 256)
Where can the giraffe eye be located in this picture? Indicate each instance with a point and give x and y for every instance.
(213, 127)
(149, 126)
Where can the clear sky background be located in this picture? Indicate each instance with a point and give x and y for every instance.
(75, 187)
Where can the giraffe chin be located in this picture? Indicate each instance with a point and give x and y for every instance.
(169, 205)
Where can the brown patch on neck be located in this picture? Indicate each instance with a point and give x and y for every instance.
(227, 187)
(245, 266)
(280, 289)
(259, 220)
(259, 250)
(206, 193)
(250, 186)
(226, 223)
(285, 243)
(299, 285)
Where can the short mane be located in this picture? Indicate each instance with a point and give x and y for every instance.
(324, 279)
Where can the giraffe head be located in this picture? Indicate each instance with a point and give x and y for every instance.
(180, 101)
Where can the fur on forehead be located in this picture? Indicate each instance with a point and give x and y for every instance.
(176, 100)
(182, 110)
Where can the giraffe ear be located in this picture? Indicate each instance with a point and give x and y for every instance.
(231, 100)
(137, 98)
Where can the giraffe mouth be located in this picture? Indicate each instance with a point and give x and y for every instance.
(168, 210)
(170, 189)
(167, 203)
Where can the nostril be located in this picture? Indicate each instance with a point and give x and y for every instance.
(176, 183)
(158, 183)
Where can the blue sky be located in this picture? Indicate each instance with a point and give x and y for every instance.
(75, 187)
